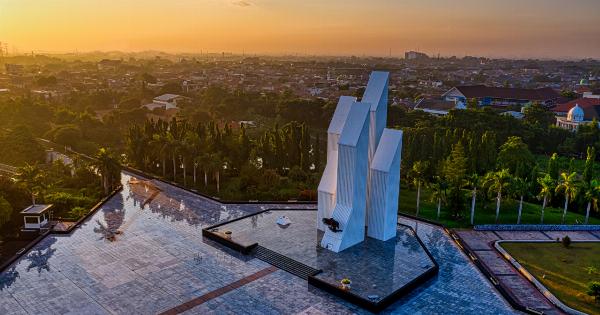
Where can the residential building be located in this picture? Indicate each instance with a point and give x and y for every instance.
(165, 101)
(438, 107)
(502, 96)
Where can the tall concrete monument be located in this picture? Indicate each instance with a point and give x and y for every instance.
(360, 185)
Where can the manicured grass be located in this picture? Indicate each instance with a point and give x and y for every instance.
(486, 213)
(562, 270)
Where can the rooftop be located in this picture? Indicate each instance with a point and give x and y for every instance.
(36, 209)
(590, 107)
(167, 97)
(478, 91)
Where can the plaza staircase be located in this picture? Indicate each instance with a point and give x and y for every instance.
(284, 263)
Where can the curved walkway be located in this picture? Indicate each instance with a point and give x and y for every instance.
(481, 243)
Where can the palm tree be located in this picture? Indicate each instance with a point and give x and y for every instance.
(591, 194)
(108, 167)
(568, 186)
(189, 148)
(162, 148)
(473, 182)
(30, 178)
(173, 146)
(439, 193)
(216, 165)
(196, 162)
(418, 174)
(547, 186)
(206, 165)
(498, 182)
(519, 187)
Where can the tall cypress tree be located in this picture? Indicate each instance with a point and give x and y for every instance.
(588, 171)
(455, 171)
(552, 168)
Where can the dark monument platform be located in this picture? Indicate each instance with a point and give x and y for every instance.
(381, 272)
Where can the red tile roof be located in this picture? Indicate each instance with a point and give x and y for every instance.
(479, 91)
(584, 103)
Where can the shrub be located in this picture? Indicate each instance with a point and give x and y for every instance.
(594, 290)
(566, 241)
(78, 212)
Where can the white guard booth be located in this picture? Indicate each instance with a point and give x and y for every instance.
(35, 217)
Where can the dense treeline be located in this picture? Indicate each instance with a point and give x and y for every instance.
(206, 149)
(240, 165)
(483, 154)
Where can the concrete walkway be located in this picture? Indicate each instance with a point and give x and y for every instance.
(481, 243)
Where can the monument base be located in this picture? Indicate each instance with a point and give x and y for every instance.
(379, 272)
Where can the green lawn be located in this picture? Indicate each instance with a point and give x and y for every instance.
(562, 270)
(486, 214)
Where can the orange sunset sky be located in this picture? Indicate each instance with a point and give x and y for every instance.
(507, 28)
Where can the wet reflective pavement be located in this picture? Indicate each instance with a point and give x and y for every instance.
(377, 269)
(141, 256)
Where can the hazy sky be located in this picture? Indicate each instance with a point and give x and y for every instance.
(509, 28)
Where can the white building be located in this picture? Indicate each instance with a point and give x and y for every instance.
(35, 217)
(165, 101)
(575, 117)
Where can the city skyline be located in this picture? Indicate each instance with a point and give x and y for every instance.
(512, 29)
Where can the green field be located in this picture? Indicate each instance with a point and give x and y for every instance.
(564, 271)
(485, 214)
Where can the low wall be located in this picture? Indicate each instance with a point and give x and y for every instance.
(29, 246)
(213, 198)
(536, 227)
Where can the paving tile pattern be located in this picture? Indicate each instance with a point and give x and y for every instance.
(158, 260)
(374, 267)
(218, 292)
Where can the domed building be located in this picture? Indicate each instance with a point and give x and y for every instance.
(575, 117)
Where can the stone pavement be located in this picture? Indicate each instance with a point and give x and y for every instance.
(481, 243)
(138, 257)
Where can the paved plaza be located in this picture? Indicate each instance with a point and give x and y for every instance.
(377, 269)
(142, 253)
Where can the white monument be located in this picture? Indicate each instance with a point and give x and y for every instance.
(384, 185)
(327, 186)
(363, 166)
